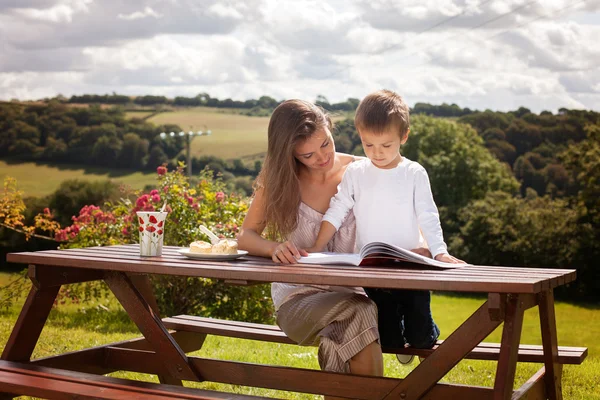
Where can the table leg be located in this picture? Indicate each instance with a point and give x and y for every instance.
(144, 286)
(509, 350)
(150, 325)
(448, 354)
(553, 376)
(30, 323)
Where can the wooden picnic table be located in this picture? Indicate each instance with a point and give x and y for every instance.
(510, 292)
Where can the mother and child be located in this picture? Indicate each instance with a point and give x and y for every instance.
(310, 198)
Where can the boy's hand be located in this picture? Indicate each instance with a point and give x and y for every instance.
(422, 251)
(447, 258)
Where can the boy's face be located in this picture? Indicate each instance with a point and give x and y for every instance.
(383, 149)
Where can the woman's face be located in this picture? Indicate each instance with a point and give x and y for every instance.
(317, 152)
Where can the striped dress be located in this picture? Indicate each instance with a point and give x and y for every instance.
(341, 320)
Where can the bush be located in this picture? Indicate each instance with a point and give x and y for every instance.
(188, 206)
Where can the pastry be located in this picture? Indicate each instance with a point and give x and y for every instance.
(225, 246)
(200, 247)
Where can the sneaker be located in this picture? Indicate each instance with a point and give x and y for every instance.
(405, 358)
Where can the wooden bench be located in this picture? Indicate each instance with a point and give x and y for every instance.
(272, 333)
(51, 383)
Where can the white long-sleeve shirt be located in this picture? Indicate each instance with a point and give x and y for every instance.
(390, 205)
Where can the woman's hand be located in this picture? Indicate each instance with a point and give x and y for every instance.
(422, 251)
(447, 258)
(287, 253)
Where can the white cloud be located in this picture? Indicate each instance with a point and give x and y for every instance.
(338, 48)
(58, 13)
(148, 12)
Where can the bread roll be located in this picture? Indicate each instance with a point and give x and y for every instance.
(200, 247)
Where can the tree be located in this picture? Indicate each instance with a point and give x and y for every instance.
(133, 152)
(156, 158)
(106, 151)
(523, 136)
(459, 166)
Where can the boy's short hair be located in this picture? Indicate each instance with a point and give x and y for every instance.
(382, 110)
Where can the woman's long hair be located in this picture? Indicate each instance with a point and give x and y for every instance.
(292, 122)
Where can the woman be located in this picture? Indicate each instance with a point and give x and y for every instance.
(299, 177)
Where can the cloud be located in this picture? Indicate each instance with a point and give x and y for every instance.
(534, 55)
(148, 12)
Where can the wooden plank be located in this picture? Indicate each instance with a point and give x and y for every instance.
(496, 305)
(472, 271)
(272, 333)
(59, 384)
(150, 325)
(533, 389)
(93, 360)
(56, 276)
(464, 339)
(300, 274)
(553, 375)
(509, 349)
(290, 379)
(30, 323)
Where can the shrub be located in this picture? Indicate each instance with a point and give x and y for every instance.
(189, 206)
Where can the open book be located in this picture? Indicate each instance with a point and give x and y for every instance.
(377, 253)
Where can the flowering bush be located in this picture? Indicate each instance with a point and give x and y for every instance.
(189, 206)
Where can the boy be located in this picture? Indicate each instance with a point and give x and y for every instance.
(391, 198)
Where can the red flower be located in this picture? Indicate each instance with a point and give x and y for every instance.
(161, 170)
(159, 232)
(141, 221)
(160, 224)
(155, 198)
(219, 197)
(153, 219)
(151, 229)
(153, 192)
(142, 200)
(124, 232)
(47, 211)
(141, 229)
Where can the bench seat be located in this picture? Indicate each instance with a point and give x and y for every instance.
(272, 333)
(51, 383)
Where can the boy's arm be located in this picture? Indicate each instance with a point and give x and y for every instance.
(428, 215)
(339, 207)
(326, 232)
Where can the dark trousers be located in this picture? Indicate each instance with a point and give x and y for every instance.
(405, 317)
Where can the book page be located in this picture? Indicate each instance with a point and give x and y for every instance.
(375, 249)
(331, 258)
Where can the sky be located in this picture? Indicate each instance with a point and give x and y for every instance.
(481, 54)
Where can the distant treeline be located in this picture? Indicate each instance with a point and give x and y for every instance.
(261, 106)
(100, 137)
(530, 144)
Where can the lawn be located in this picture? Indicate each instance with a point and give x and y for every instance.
(40, 179)
(72, 327)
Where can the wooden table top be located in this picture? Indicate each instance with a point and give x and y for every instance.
(126, 258)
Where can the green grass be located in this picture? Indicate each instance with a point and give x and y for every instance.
(40, 179)
(71, 327)
(233, 135)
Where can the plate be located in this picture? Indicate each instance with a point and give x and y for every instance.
(211, 256)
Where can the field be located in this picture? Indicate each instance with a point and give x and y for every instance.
(73, 326)
(40, 180)
(233, 135)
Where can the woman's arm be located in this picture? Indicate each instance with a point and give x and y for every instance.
(250, 238)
